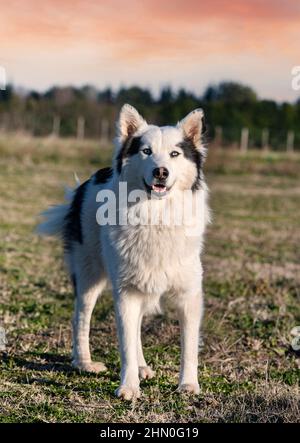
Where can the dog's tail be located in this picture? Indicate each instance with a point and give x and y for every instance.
(54, 220)
(55, 216)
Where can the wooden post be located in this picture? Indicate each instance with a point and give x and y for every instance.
(56, 126)
(290, 141)
(244, 139)
(104, 130)
(80, 128)
(218, 136)
(265, 139)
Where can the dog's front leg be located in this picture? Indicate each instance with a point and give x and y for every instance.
(145, 372)
(128, 306)
(190, 313)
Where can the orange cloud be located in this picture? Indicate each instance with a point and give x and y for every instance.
(140, 29)
(256, 10)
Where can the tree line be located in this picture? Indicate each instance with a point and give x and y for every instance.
(229, 107)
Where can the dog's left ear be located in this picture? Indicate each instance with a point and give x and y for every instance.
(193, 126)
(129, 122)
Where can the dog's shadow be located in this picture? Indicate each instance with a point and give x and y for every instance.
(51, 362)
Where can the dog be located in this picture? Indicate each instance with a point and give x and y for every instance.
(146, 258)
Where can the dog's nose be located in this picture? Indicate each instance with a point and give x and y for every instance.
(160, 173)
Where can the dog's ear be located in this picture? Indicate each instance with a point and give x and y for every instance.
(193, 126)
(130, 121)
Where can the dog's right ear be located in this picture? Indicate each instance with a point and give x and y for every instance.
(129, 122)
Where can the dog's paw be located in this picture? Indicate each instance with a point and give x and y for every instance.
(94, 366)
(145, 372)
(189, 388)
(128, 393)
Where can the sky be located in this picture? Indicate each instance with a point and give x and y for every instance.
(152, 43)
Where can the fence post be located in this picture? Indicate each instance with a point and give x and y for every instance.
(219, 136)
(265, 139)
(244, 139)
(80, 128)
(104, 130)
(290, 141)
(56, 126)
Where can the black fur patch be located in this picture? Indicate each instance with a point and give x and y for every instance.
(130, 147)
(192, 153)
(72, 227)
(103, 175)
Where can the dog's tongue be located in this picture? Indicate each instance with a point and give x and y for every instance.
(159, 188)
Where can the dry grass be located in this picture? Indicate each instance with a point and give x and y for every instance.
(248, 371)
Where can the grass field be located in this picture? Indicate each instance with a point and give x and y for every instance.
(248, 372)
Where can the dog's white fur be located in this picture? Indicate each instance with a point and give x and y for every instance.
(144, 262)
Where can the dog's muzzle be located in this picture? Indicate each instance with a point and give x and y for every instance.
(158, 187)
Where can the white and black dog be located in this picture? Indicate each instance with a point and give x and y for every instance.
(146, 254)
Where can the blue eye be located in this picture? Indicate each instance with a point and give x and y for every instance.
(174, 154)
(147, 151)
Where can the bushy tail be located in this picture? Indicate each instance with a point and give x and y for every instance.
(54, 217)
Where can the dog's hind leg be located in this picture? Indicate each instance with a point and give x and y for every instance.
(85, 300)
(145, 372)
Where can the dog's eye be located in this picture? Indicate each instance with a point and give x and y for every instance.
(174, 154)
(147, 151)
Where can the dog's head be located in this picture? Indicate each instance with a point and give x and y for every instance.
(159, 159)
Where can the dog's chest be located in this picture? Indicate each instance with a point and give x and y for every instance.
(155, 259)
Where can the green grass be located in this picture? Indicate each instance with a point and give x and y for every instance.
(247, 372)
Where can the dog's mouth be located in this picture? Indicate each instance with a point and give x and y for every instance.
(157, 189)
